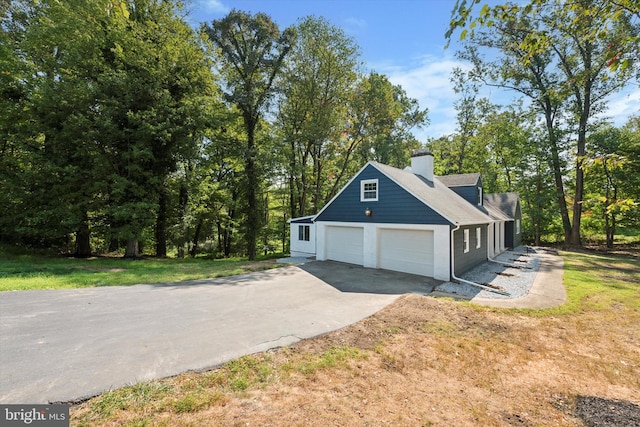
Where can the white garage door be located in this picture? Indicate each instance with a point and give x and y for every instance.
(409, 251)
(345, 244)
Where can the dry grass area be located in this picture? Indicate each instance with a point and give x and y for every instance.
(423, 361)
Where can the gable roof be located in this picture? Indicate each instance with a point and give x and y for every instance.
(496, 213)
(302, 220)
(436, 195)
(507, 203)
(460, 180)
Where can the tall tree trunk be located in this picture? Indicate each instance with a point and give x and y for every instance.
(582, 143)
(557, 174)
(114, 242)
(220, 241)
(161, 224)
(538, 215)
(196, 237)
(226, 240)
(83, 237)
(253, 216)
(132, 250)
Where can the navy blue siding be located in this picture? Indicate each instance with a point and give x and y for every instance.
(394, 205)
(464, 262)
(511, 239)
(470, 194)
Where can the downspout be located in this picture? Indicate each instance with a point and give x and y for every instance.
(453, 270)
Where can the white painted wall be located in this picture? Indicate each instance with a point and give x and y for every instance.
(302, 248)
(441, 250)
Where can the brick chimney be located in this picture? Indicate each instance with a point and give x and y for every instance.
(422, 163)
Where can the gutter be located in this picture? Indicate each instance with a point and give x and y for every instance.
(468, 282)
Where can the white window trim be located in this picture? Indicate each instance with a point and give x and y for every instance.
(480, 196)
(465, 234)
(517, 226)
(362, 184)
(478, 237)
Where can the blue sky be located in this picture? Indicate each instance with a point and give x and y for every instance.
(403, 39)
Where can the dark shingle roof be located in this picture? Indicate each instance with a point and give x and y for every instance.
(506, 203)
(436, 195)
(460, 180)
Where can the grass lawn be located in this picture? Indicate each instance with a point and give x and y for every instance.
(426, 361)
(29, 272)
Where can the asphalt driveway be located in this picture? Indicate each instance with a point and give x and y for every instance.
(64, 345)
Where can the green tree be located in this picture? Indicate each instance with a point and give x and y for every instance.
(605, 170)
(558, 55)
(251, 51)
(154, 93)
(111, 97)
(382, 117)
(14, 138)
(317, 81)
(58, 59)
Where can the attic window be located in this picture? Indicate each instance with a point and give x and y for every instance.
(369, 190)
(479, 196)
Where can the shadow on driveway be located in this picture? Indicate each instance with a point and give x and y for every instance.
(353, 278)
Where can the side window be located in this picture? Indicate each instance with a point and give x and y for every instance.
(466, 240)
(517, 226)
(479, 196)
(478, 238)
(369, 190)
(303, 232)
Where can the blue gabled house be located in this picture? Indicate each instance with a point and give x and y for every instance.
(403, 220)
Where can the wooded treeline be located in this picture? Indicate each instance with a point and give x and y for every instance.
(124, 129)
(564, 59)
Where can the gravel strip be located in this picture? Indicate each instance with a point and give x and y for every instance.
(516, 280)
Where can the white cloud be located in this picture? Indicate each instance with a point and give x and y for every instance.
(216, 7)
(205, 11)
(213, 6)
(356, 23)
(623, 105)
(427, 80)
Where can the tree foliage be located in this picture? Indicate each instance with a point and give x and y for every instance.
(113, 95)
(559, 55)
(251, 51)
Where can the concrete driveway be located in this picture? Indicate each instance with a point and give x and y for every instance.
(65, 345)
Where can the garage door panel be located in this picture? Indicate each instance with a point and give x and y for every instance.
(345, 244)
(409, 251)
